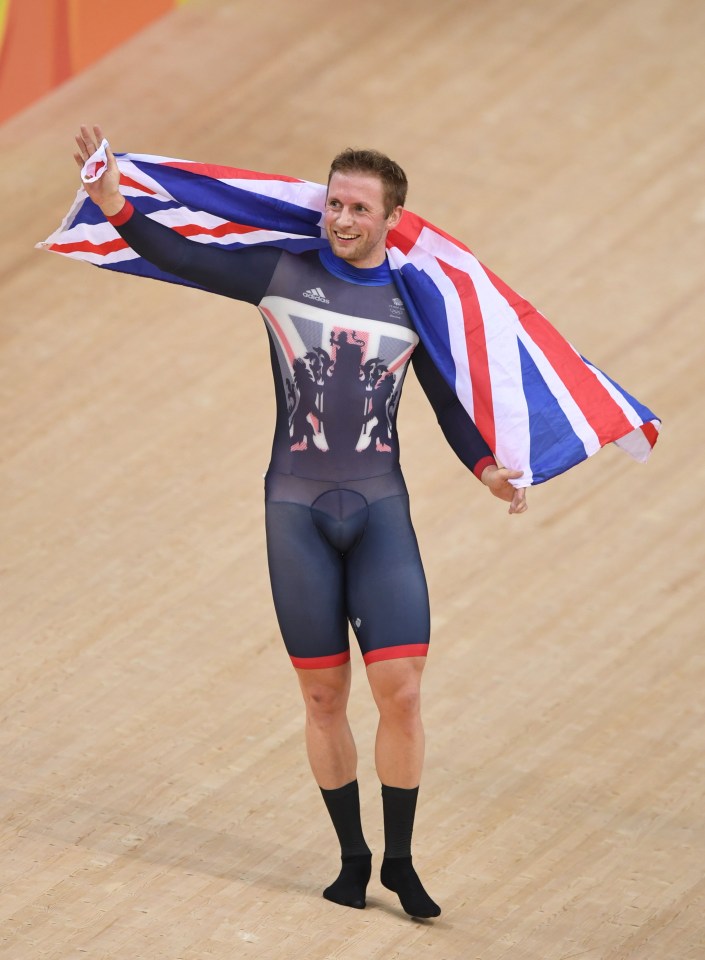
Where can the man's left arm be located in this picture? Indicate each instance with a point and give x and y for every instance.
(463, 436)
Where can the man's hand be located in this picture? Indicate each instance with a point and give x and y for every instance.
(105, 192)
(497, 479)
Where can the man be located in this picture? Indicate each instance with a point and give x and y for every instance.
(340, 544)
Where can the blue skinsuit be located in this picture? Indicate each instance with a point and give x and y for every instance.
(341, 547)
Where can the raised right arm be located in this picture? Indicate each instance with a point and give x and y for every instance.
(241, 274)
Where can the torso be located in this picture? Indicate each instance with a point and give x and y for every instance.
(340, 351)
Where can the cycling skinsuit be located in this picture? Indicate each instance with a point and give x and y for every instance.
(340, 544)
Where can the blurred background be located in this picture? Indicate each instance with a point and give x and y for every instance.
(44, 42)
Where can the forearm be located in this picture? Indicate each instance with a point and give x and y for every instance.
(465, 439)
(457, 425)
(240, 274)
(157, 243)
(112, 205)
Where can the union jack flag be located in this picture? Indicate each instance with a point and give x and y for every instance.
(540, 405)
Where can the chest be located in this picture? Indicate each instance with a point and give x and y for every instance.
(324, 319)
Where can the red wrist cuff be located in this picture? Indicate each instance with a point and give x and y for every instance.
(122, 216)
(481, 464)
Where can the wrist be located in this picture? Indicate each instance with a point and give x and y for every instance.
(112, 205)
(484, 469)
(122, 216)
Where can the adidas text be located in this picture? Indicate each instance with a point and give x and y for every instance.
(316, 294)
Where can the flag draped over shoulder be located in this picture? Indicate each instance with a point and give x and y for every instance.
(541, 407)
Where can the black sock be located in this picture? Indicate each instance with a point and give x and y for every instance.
(350, 887)
(398, 873)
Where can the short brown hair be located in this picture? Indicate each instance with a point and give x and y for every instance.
(394, 182)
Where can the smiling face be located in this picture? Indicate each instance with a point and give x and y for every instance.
(355, 220)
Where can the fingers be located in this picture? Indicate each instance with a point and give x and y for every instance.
(88, 142)
(498, 480)
(84, 139)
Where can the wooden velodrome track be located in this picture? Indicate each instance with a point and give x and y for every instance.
(156, 801)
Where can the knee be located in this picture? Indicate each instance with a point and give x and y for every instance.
(401, 702)
(324, 705)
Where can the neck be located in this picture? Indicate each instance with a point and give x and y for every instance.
(374, 276)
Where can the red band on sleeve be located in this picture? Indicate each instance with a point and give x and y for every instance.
(481, 464)
(123, 214)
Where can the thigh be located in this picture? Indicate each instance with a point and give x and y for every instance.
(387, 595)
(307, 579)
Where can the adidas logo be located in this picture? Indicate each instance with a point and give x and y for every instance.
(316, 294)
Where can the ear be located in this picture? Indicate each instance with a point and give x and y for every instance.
(394, 217)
